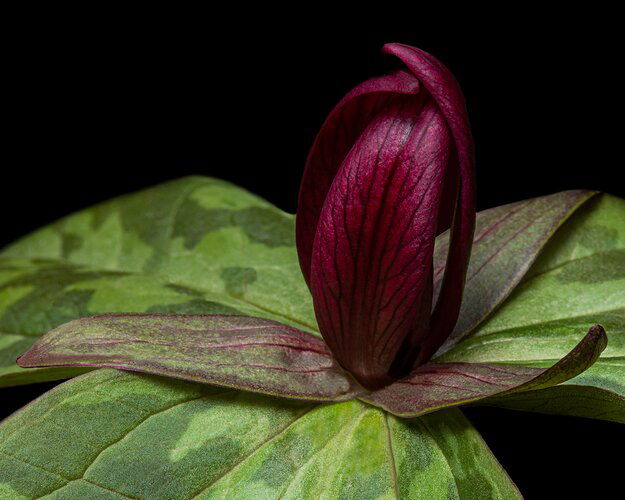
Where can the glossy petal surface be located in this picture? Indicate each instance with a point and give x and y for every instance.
(343, 126)
(371, 270)
(444, 89)
(335, 195)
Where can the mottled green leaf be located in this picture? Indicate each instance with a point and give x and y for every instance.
(214, 443)
(192, 246)
(239, 352)
(507, 241)
(36, 296)
(264, 356)
(578, 280)
(439, 385)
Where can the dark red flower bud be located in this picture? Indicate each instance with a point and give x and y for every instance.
(391, 168)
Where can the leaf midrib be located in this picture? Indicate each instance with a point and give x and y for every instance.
(344, 429)
(481, 334)
(424, 425)
(261, 445)
(608, 251)
(391, 454)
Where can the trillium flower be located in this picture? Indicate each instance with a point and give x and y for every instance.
(385, 228)
(391, 167)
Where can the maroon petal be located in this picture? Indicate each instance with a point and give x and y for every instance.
(371, 275)
(439, 385)
(338, 134)
(443, 87)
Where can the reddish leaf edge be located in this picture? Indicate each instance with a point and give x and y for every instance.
(457, 336)
(395, 398)
(580, 358)
(43, 355)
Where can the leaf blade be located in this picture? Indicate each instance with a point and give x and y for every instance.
(202, 246)
(578, 279)
(238, 352)
(507, 241)
(198, 231)
(210, 442)
(575, 399)
(440, 385)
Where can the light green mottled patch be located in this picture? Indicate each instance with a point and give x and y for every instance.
(70, 243)
(507, 241)
(196, 306)
(188, 231)
(144, 293)
(473, 469)
(50, 300)
(11, 346)
(9, 296)
(195, 245)
(420, 464)
(259, 224)
(214, 443)
(578, 281)
(37, 482)
(8, 340)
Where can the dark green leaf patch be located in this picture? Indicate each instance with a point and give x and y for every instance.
(211, 442)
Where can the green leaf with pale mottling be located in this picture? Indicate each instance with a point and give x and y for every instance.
(200, 232)
(130, 255)
(202, 246)
(507, 241)
(36, 296)
(192, 246)
(215, 443)
(578, 280)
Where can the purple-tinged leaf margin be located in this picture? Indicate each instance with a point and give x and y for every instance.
(263, 356)
(439, 385)
(240, 352)
(507, 241)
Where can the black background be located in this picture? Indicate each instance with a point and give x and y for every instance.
(97, 111)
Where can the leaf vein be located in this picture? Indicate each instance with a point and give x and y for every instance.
(261, 445)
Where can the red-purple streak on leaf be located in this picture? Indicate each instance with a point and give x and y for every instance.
(437, 385)
(263, 356)
(508, 239)
(242, 352)
(390, 165)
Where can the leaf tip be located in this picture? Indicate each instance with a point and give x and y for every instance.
(32, 358)
(25, 360)
(598, 334)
